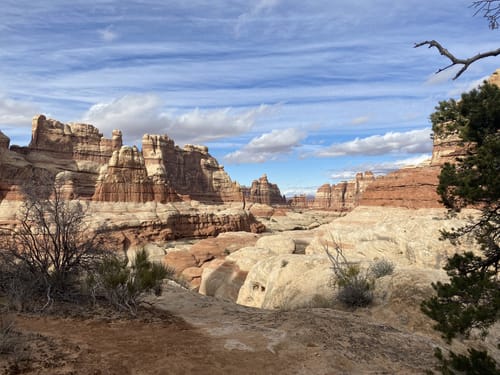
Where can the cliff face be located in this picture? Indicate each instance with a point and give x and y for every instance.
(264, 192)
(415, 187)
(343, 196)
(101, 169)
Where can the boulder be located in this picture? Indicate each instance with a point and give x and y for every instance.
(179, 260)
(287, 282)
(222, 279)
(278, 244)
(397, 297)
(193, 276)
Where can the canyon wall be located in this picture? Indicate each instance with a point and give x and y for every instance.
(160, 193)
(343, 196)
(264, 192)
(103, 169)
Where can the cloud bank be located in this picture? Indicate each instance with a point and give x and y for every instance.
(268, 146)
(136, 115)
(411, 142)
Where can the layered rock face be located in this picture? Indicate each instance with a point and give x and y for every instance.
(412, 187)
(132, 189)
(101, 169)
(415, 186)
(73, 141)
(264, 192)
(343, 196)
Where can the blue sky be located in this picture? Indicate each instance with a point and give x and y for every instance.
(308, 92)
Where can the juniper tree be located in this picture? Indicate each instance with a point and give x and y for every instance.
(472, 297)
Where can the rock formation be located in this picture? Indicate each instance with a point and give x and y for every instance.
(415, 186)
(128, 192)
(264, 192)
(343, 196)
(103, 169)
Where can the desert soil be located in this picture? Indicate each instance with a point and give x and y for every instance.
(194, 334)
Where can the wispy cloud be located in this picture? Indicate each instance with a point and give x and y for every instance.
(411, 142)
(360, 120)
(108, 34)
(261, 7)
(15, 112)
(268, 146)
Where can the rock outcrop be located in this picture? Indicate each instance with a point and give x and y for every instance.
(415, 187)
(343, 196)
(103, 169)
(264, 192)
(129, 193)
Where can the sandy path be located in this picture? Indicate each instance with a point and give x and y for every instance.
(217, 337)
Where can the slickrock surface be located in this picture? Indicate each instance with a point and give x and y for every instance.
(136, 224)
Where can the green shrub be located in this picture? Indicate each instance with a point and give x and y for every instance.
(355, 286)
(125, 287)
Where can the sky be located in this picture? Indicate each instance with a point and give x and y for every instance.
(307, 92)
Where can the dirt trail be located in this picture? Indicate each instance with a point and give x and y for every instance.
(217, 337)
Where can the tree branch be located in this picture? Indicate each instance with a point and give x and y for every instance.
(454, 60)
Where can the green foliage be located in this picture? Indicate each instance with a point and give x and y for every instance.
(471, 300)
(355, 286)
(476, 363)
(124, 287)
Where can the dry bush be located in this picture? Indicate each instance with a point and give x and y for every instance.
(49, 248)
(355, 286)
(381, 267)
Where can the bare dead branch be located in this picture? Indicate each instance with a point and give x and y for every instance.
(454, 60)
(490, 10)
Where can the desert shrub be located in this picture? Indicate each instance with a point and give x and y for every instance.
(381, 268)
(355, 286)
(8, 336)
(50, 246)
(125, 287)
(21, 289)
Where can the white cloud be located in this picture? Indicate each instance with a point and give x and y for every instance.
(107, 34)
(136, 115)
(466, 87)
(268, 146)
(442, 77)
(262, 7)
(360, 120)
(380, 168)
(411, 142)
(14, 112)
